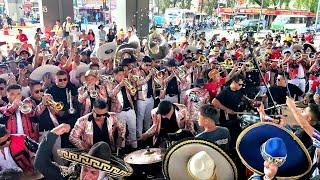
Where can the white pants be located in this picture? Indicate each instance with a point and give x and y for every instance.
(57, 145)
(301, 83)
(173, 99)
(144, 115)
(129, 117)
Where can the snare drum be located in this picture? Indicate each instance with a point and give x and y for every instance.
(248, 120)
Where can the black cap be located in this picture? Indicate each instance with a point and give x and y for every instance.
(24, 51)
(164, 107)
(86, 52)
(172, 63)
(147, 59)
(199, 51)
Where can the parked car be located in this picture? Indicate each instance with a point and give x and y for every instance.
(251, 25)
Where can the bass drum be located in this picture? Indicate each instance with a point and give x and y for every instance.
(248, 120)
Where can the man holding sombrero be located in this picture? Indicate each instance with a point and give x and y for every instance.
(196, 159)
(272, 152)
(97, 164)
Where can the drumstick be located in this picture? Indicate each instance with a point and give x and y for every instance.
(117, 152)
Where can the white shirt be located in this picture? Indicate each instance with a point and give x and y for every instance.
(19, 123)
(6, 160)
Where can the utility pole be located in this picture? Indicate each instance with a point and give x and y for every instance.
(317, 15)
(258, 28)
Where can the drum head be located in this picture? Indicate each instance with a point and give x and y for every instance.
(145, 156)
(248, 120)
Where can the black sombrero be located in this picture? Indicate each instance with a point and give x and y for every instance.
(114, 167)
(178, 156)
(298, 161)
(307, 46)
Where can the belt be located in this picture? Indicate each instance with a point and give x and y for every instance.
(171, 95)
(126, 109)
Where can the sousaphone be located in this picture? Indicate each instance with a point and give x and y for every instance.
(157, 45)
(132, 47)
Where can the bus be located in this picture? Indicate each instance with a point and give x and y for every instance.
(177, 16)
(289, 23)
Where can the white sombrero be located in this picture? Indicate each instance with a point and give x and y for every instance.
(38, 73)
(197, 159)
(106, 51)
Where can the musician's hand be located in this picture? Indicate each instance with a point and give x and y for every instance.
(229, 111)
(283, 121)
(119, 142)
(290, 102)
(260, 109)
(46, 98)
(143, 137)
(122, 83)
(61, 129)
(16, 101)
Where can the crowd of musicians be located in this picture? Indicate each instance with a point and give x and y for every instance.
(129, 94)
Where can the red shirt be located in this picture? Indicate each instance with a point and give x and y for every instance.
(22, 37)
(276, 54)
(213, 87)
(315, 84)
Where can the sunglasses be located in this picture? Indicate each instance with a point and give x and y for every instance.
(61, 80)
(38, 91)
(4, 142)
(147, 64)
(100, 115)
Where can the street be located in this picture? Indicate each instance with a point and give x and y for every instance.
(230, 35)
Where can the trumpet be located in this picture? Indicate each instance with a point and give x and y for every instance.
(202, 60)
(130, 87)
(159, 74)
(69, 99)
(93, 93)
(181, 72)
(25, 108)
(136, 78)
(106, 78)
(57, 106)
(296, 55)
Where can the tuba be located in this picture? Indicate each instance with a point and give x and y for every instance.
(133, 48)
(157, 46)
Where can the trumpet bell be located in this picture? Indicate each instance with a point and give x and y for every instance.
(57, 106)
(25, 108)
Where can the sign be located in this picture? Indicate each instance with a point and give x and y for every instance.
(44, 9)
(265, 12)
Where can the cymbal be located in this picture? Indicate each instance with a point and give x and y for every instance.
(145, 156)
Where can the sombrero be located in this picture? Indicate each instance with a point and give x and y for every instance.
(248, 146)
(309, 46)
(38, 73)
(190, 48)
(180, 159)
(97, 158)
(106, 51)
(287, 50)
(5, 76)
(82, 68)
(296, 47)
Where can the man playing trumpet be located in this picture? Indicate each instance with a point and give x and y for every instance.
(91, 91)
(18, 113)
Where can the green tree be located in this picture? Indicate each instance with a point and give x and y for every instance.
(209, 5)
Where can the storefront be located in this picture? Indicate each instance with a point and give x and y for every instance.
(253, 13)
